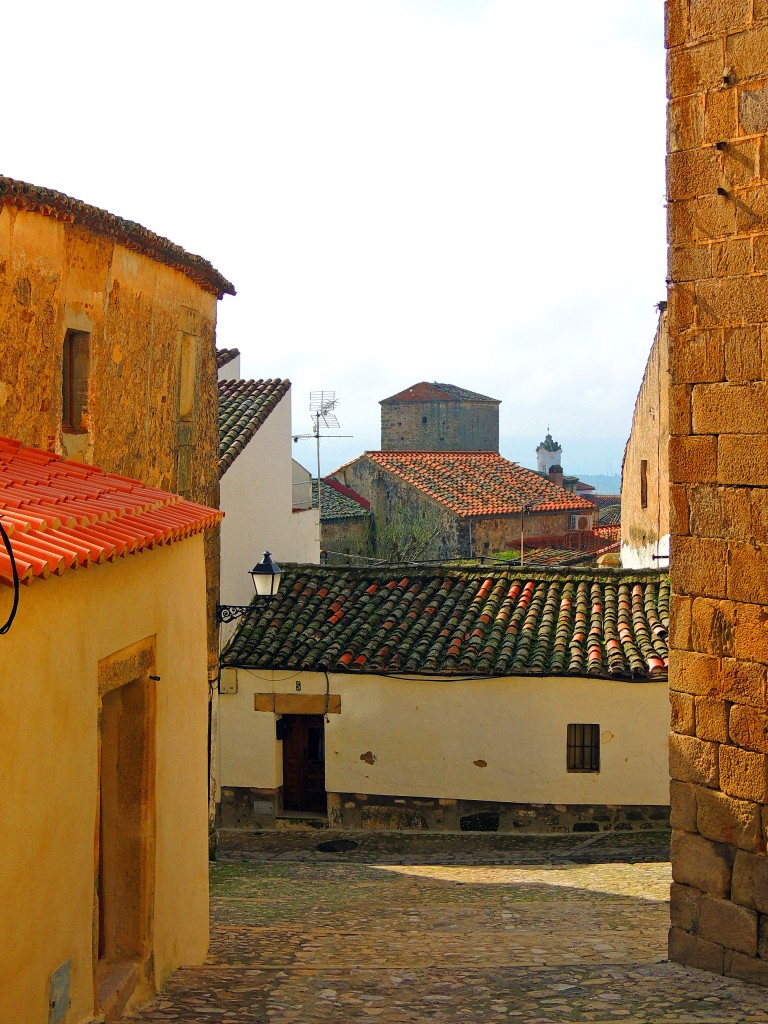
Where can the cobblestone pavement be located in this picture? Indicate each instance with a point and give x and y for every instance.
(474, 928)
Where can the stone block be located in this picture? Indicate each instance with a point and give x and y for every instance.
(684, 907)
(748, 573)
(732, 301)
(680, 420)
(743, 682)
(743, 773)
(682, 797)
(728, 924)
(747, 54)
(695, 952)
(682, 715)
(741, 460)
(713, 628)
(693, 69)
(743, 348)
(706, 518)
(714, 216)
(701, 863)
(730, 408)
(762, 936)
(685, 122)
(750, 204)
(748, 728)
(732, 257)
(680, 612)
(753, 109)
(750, 881)
(758, 519)
(697, 356)
(694, 673)
(681, 305)
(675, 22)
(699, 566)
(741, 162)
(750, 632)
(692, 459)
(682, 221)
(678, 510)
(711, 719)
(737, 513)
(713, 17)
(724, 819)
(745, 968)
(693, 760)
(721, 119)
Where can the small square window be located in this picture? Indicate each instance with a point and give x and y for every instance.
(423, 419)
(583, 752)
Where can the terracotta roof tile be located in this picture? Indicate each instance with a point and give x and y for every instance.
(125, 232)
(426, 392)
(340, 502)
(243, 406)
(225, 355)
(478, 483)
(610, 515)
(60, 514)
(466, 622)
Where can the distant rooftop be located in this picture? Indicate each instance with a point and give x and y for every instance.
(226, 355)
(425, 392)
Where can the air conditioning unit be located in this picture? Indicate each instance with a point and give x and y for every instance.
(580, 523)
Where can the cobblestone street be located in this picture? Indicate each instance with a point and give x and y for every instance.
(470, 928)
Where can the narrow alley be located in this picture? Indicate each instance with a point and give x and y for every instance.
(309, 926)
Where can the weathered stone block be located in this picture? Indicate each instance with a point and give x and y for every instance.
(714, 216)
(747, 54)
(693, 760)
(682, 223)
(720, 116)
(684, 907)
(713, 17)
(750, 204)
(703, 864)
(728, 924)
(741, 460)
(713, 627)
(682, 797)
(745, 968)
(706, 510)
(758, 520)
(700, 566)
(743, 774)
(743, 349)
(678, 510)
(734, 256)
(748, 728)
(750, 632)
(697, 356)
(680, 419)
(692, 459)
(733, 301)
(730, 408)
(695, 69)
(691, 262)
(762, 936)
(748, 573)
(711, 719)
(750, 881)
(685, 122)
(695, 952)
(675, 22)
(753, 109)
(683, 719)
(724, 819)
(745, 683)
(681, 304)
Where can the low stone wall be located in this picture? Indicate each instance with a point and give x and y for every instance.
(253, 808)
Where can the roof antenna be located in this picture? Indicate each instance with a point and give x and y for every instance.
(321, 410)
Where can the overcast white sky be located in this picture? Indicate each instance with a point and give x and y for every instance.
(466, 191)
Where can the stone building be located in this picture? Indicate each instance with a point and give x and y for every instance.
(645, 468)
(441, 418)
(478, 502)
(108, 352)
(717, 66)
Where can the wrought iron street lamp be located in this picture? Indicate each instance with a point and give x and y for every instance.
(266, 581)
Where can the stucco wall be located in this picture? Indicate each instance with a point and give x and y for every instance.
(645, 527)
(718, 318)
(414, 737)
(257, 499)
(49, 705)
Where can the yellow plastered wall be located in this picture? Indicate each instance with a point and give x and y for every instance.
(49, 708)
(479, 739)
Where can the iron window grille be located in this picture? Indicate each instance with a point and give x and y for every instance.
(583, 747)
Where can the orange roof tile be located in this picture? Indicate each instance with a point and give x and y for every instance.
(478, 483)
(60, 514)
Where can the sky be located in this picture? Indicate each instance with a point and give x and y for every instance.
(462, 191)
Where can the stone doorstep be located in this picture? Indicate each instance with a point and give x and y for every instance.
(115, 984)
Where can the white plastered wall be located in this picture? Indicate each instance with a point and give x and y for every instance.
(495, 739)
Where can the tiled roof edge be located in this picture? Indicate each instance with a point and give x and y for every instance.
(259, 417)
(128, 233)
(347, 492)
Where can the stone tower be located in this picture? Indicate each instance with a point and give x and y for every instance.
(439, 418)
(548, 454)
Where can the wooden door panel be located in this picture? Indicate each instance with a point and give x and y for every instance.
(304, 763)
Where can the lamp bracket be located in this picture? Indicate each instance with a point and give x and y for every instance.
(228, 612)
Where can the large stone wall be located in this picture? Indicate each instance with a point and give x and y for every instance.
(444, 426)
(645, 469)
(718, 321)
(152, 403)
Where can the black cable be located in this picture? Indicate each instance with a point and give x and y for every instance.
(9, 549)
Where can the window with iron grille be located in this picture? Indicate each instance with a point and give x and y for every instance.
(583, 748)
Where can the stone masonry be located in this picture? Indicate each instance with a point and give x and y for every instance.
(718, 317)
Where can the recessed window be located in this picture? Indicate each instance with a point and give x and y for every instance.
(644, 483)
(75, 367)
(423, 419)
(583, 754)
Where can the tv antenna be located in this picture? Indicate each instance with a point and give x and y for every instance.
(321, 410)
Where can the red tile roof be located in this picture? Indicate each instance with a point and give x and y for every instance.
(426, 392)
(478, 483)
(126, 232)
(225, 355)
(244, 406)
(60, 514)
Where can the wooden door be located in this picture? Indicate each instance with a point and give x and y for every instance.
(304, 763)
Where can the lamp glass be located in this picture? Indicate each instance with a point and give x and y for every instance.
(266, 576)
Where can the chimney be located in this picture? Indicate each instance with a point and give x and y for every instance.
(556, 475)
